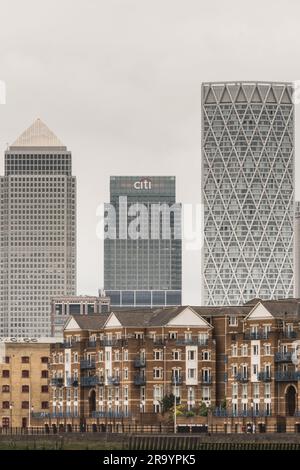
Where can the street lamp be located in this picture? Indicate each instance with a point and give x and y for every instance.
(252, 415)
(31, 408)
(11, 405)
(175, 403)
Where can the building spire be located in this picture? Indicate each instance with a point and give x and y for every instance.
(38, 135)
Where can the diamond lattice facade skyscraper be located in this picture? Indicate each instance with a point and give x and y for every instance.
(38, 231)
(247, 191)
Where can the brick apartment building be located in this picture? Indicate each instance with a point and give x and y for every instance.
(24, 381)
(241, 362)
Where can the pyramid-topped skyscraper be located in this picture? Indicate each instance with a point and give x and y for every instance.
(38, 231)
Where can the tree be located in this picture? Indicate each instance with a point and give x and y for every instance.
(168, 402)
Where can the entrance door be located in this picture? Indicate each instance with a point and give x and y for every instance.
(290, 401)
(92, 402)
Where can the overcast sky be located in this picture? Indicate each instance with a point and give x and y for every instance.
(119, 82)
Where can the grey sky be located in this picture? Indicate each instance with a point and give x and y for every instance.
(119, 82)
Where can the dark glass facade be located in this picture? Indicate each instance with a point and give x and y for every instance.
(146, 271)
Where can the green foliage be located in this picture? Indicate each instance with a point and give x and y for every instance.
(224, 404)
(167, 402)
(190, 413)
(203, 409)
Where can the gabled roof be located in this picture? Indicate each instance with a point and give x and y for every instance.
(238, 310)
(283, 309)
(38, 135)
(88, 322)
(151, 318)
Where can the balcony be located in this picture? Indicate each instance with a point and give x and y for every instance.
(62, 415)
(220, 412)
(72, 381)
(57, 382)
(264, 376)
(68, 344)
(139, 362)
(255, 336)
(91, 343)
(109, 414)
(287, 376)
(283, 357)
(192, 342)
(139, 380)
(91, 381)
(113, 380)
(87, 364)
(289, 334)
(40, 415)
(243, 378)
(177, 379)
(112, 342)
(206, 380)
(159, 341)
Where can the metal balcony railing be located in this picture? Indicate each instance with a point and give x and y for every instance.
(206, 380)
(139, 362)
(243, 378)
(283, 357)
(264, 376)
(109, 414)
(241, 413)
(256, 336)
(139, 380)
(113, 380)
(57, 382)
(192, 342)
(91, 343)
(72, 382)
(40, 415)
(289, 334)
(287, 376)
(177, 379)
(87, 364)
(112, 342)
(63, 415)
(91, 381)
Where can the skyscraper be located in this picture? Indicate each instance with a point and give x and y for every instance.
(247, 191)
(146, 271)
(297, 250)
(38, 231)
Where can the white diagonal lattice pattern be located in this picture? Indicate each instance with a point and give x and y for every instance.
(248, 191)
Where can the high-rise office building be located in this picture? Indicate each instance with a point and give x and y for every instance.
(38, 231)
(247, 191)
(146, 271)
(297, 250)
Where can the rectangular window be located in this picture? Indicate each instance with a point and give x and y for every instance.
(191, 373)
(25, 374)
(176, 355)
(25, 388)
(233, 321)
(191, 355)
(25, 359)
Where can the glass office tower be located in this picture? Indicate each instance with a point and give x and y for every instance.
(38, 231)
(247, 191)
(143, 272)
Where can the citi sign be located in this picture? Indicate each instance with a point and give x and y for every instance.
(144, 183)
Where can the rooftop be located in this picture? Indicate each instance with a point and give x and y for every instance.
(38, 135)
